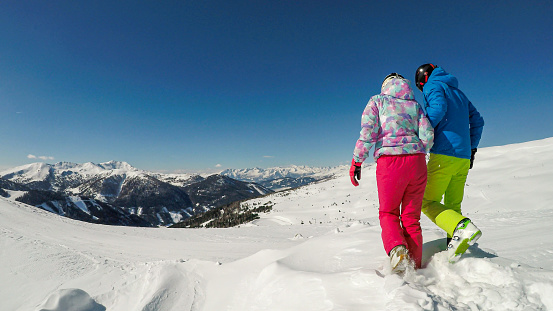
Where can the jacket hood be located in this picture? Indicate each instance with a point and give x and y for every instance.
(439, 74)
(398, 88)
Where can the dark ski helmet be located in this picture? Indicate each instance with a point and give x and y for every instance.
(392, 76)
(422, 75)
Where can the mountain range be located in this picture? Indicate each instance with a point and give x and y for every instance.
(117, 193)
(283, 178)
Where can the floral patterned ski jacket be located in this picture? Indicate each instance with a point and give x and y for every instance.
(394, 123)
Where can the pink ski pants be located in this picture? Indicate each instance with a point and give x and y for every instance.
(401, 181)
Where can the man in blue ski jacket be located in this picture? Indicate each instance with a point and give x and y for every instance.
(457, 131)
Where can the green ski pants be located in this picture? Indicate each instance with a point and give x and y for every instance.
(446, 180)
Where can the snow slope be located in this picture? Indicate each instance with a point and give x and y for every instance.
(333, 261)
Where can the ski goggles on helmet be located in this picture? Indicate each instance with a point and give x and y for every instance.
(391, 76)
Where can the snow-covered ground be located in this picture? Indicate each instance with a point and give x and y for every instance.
(333, 261)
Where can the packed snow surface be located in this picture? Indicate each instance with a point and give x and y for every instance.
(318, 249)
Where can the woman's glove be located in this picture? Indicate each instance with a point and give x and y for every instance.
(355, 172)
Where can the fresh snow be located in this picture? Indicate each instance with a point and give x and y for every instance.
(334, 261)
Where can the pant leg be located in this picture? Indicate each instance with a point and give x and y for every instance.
(411, 206)
(456, 189)
(442, 170)
(438, 180)
(450, 218)
(391, 184)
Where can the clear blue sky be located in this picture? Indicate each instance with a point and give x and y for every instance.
(188, 85)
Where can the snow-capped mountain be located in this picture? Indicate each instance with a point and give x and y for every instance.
(209, 189)
(157, 198)
(281, 178)
(293, 171)
(62, 175)
(180, 180)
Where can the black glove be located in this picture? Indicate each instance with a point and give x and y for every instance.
(473, 151)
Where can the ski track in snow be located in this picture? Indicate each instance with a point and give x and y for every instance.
(337, 262)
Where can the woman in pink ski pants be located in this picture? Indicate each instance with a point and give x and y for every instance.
(395, 124)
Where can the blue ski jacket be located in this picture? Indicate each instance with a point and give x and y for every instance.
(457, 124)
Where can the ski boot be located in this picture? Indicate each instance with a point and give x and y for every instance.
(465, 235)
(400, 259)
